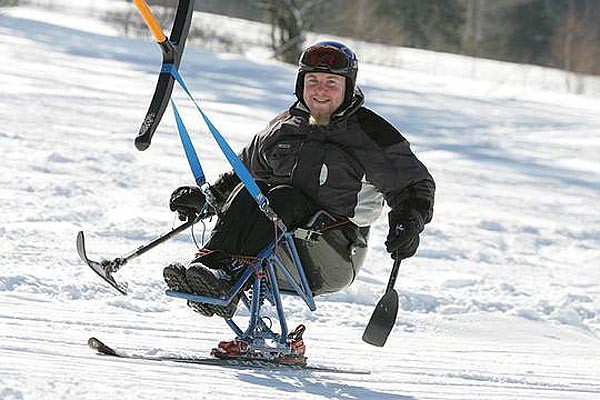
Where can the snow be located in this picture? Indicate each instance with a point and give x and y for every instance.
(501, 301)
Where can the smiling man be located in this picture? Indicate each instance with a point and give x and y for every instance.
(323, 94)
(326, 153)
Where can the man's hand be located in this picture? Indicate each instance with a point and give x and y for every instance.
(403, 238)
(187, 201)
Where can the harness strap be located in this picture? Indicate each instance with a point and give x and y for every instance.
(333, 225)
(237, 165)
(188, 147)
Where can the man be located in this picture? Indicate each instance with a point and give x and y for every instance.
(327, 152)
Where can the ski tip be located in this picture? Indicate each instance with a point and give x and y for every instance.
(80, 243)
(374, 339)
(141, 144)
(96, 344)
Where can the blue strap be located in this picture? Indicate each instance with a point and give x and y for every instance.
(239, 167)
(188, 147)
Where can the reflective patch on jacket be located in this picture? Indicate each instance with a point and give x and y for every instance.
(323, 175)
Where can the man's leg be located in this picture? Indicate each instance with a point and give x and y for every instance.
(244, 230)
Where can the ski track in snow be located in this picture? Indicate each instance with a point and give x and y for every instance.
(501, 301)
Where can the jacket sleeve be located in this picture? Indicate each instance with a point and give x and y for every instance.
(415, 186)
(253, 157)
(403, 180)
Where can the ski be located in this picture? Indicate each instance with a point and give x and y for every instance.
(105, 350)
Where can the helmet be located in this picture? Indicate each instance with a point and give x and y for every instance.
(331, 57)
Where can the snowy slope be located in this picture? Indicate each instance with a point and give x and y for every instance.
(501, 301)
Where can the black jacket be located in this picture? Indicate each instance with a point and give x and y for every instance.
(348, 167)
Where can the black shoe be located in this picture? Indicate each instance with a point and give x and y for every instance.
(213, 283)
(208, 310)
(204, 280)
(174, 275)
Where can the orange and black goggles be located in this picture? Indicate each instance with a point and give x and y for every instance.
(327, 58)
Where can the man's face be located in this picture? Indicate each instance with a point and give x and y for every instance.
(323, 94)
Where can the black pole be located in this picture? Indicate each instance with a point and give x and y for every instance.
(393, 276)
(155, 242)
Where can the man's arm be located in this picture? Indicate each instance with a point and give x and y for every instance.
(403, 180)
(415, 187)
(406, 184)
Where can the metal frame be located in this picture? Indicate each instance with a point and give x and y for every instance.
(259, 272)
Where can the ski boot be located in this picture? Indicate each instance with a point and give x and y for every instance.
(208, 275)
(174, 276)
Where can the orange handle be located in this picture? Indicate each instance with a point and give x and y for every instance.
(150, 20)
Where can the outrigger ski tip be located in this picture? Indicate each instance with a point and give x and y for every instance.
(104, 268)
(103, 349)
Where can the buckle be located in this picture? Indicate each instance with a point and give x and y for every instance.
(307, 235)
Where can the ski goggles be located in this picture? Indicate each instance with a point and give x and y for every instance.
(327, 58)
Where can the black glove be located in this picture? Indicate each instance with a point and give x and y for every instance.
(187, 201)
(403, 238)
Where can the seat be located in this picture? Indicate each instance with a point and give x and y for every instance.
(331, 252)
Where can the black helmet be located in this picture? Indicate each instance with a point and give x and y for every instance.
(331, 57)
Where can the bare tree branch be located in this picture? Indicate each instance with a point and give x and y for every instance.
(289, 19)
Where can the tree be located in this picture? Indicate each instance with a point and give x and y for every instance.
(533, 24)
(473, 27)
(576, 42)
(289, 20)
(428, 24)
(9, 3)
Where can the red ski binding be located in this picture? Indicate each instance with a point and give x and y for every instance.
(291, 352)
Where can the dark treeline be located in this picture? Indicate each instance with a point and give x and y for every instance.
(556, 33)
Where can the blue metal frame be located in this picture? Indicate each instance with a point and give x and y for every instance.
(269, 262)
